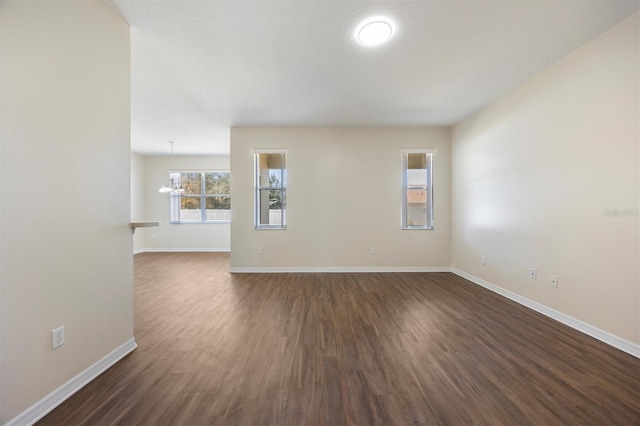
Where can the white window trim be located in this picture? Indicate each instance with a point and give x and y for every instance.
(256, 209)
(419, 151)
(429, 187)
(175, 198)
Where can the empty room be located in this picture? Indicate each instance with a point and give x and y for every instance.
(319, 212)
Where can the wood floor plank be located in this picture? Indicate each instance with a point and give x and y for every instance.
(346, 349)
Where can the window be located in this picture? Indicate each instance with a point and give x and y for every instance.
(206, 197)
(270, 189)
(417, 189)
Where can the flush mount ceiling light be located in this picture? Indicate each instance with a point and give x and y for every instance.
(374, 31)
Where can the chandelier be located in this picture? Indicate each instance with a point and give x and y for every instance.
(172, 185)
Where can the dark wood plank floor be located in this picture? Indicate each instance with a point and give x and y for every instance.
(333, 349)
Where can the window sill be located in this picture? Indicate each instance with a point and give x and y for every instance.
(217, 222)
(417, 228)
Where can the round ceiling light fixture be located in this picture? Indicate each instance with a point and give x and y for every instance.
(374, 31)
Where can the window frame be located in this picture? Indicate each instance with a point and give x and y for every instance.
(282, 188)
(175, 198)
(427, 186)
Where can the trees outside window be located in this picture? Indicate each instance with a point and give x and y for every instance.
(206, 197)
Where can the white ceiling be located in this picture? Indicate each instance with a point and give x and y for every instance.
(199, 67)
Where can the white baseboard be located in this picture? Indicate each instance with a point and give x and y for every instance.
(604, 336)
(182, 250)
(336, 269)
(58, 396)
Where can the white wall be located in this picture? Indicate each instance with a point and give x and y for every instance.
(534, 175)
(65, 246)
(344, 196)
(137, 200)
(179, 237)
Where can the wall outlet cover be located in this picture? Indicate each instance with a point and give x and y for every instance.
(57, 337)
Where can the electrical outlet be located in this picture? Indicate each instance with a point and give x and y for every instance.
(57, 337)
(533, 274)
(554, 281)
(483, 260)
(260, 250)
(373, 250)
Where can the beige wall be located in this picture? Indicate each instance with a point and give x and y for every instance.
(534, 175)
(179, 237)
(343, 197)
(65, 246)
